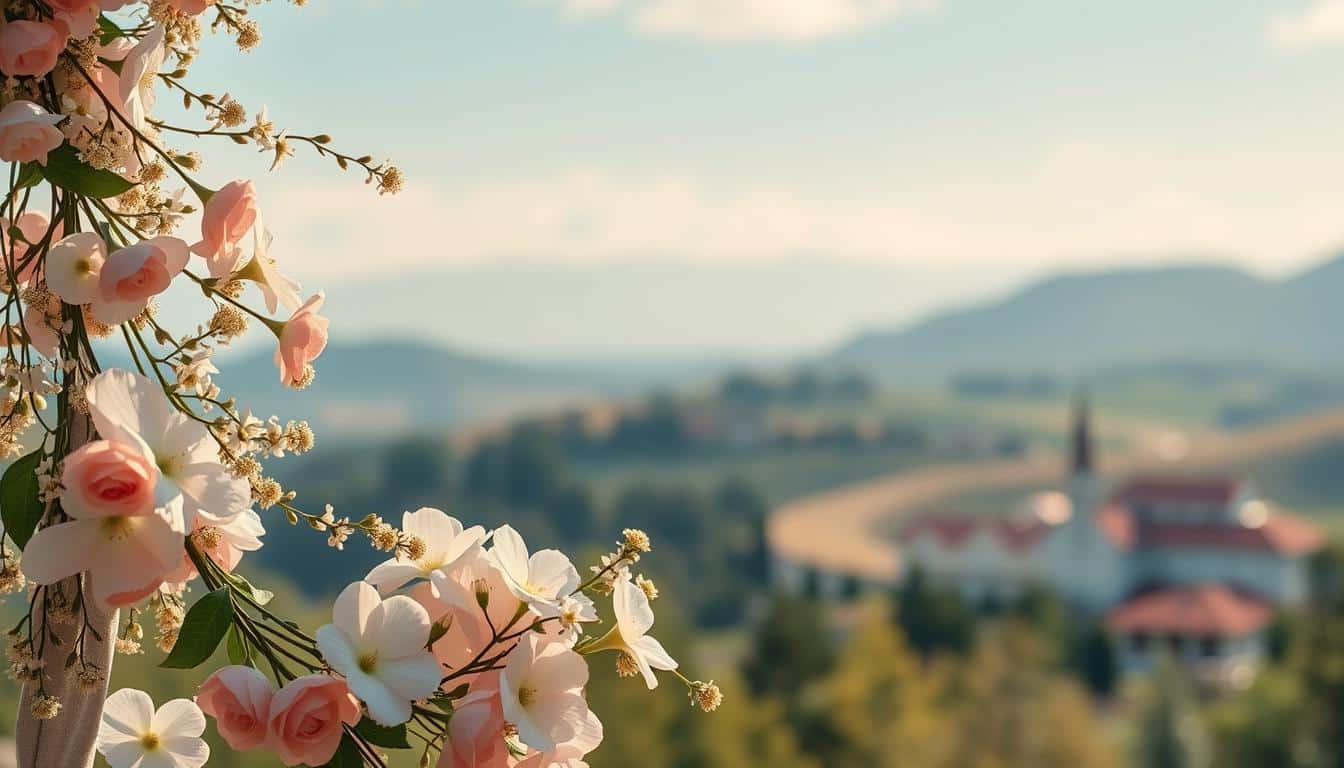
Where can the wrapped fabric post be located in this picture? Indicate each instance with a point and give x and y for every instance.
(68, 741)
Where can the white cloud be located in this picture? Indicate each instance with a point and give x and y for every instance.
(742, 21)
(792, 21)
(587, 7)
(1319, 24)
(1079, 202)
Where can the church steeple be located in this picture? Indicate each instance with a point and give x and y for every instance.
(1082, 459)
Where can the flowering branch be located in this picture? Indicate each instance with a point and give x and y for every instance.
(136, 485)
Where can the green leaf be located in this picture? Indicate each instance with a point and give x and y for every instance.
(237, 649)
(205, 625)
(64, 169)
(30, 175)
(347, 755)
(108, 30)
(261, 596)
(383, 736)
(20, 507)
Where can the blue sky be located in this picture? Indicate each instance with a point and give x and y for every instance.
(1004, 139)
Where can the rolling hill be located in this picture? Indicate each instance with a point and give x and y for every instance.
(385, 387)
(1082, 322)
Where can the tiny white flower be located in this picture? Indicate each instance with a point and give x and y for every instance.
(133, 733)
(634, 618)
(447, 545)
(195, 373)
(575, 610)
(541, 580)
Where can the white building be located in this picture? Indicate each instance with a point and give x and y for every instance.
(1193, 565)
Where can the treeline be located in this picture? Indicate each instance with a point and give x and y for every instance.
(805, 386)
(849, 686)
(927, 680)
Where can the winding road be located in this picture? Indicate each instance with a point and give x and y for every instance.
(841, 531)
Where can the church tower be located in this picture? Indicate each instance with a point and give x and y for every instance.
(1082, 480)
(1081, 457)
(1083, 563)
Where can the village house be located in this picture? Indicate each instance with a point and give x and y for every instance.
(1194, 567)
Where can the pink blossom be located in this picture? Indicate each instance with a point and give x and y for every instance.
(228, 216)
(38, 332)
(234, 539)
(28, 132)
(31, 47)
(79, 16)
(302, 339)
(239, 698)
(33, 225)
(468, 631)
(306, 718)
(131, 276)
(476, 731)
(116, 533)
(191, 7)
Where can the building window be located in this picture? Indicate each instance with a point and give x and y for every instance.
(1209, 646)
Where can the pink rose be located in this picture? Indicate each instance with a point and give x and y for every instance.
(476, 731)
(306, 719)
(31, 47)
(132, 275)
(106, 479)
(33, 225)
(79, 16)
(239, 698)
(191, 7)
(302, 339)
(228, 216)
(28, 132)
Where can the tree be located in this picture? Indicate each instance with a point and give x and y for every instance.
(1264, 725)
(1169, 732)
(933, 620)
(522, 470)
(789, 649)
(1320, 660)
(419, 468)
(1091, 656)
(1017, 711)
(884, 706)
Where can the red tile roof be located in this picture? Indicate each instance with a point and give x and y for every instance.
(951, 531)
(954, 531)
(1209, 609)
(1281, 533)
(1179, 490)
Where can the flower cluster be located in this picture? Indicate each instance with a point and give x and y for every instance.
(475, 647)
(133, 486)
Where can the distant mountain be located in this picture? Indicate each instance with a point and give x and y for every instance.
(385, 387)
(1081, 322)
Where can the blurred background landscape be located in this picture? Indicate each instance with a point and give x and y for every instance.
(792, 285)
